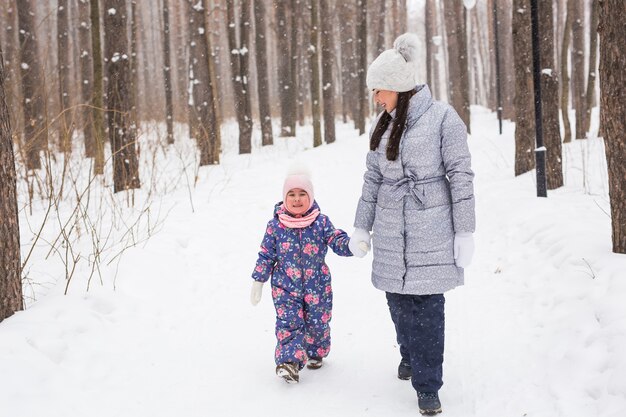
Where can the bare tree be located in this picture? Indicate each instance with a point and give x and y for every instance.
(10, 268)
(315, 73)
(578, 66)
(361, 95)
(346, 18)
(86, 77)
(565, 85)
(458, 79)
(550, 98)
(286, 86)
(203, 117)
(612, 29)
(430, 21)
(117, 51)
(380, 37)
(167, 74)
(524, 104)
(97, 103)
(134, 70)
(239, 50)
(593, 65)
(328, 63)
(63, 53)
(35, 126)
(262, 76)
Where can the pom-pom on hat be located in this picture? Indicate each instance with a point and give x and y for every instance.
(395, 69)
(299, 177)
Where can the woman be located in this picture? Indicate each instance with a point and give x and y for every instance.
(418, 199)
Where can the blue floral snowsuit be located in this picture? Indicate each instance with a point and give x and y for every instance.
(301, 287)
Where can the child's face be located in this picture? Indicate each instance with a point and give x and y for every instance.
(297, 201)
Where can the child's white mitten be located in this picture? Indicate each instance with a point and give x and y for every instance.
(359, 243)
(463, 249)
(256, 292)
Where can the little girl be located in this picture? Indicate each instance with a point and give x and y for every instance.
(292, 254)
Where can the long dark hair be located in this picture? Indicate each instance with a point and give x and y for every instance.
(393, 145)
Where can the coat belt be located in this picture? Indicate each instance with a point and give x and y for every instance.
(410, 185)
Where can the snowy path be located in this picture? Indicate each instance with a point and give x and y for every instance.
(531, 333)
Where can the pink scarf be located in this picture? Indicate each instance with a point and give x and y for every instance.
(296, 222)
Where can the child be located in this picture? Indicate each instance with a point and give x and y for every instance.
(292, 254)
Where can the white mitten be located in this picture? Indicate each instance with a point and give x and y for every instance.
(256, 292)
(359, 243)
(463, 249)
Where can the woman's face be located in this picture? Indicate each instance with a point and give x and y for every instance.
(297, 201)
(386, 99)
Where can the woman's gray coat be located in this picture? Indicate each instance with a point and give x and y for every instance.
(415, 204)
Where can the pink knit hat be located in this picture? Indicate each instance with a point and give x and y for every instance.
(299, 180)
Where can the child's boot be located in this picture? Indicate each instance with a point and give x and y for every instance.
(314, 363)
(289, 372)
(429, 403)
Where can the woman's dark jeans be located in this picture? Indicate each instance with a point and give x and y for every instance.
(419, 321)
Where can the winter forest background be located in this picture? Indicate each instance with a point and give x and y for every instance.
(134, 132)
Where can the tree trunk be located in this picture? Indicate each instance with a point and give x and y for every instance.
(63, 51)
(203, 118)
(524, 102)
(167, 74)
(578, 66)
(97, 103)
(550, 98)
(86, 77)
(401, 16)
(346, 18)
(134, 72)
(612, 30)
(117, 54)
(315, 74)
(267, 138)
(10, 265)
(362, 93)
(239, 71)
(12, 74)
(430, 24)
(593, 64)
(285, 86)
(328, 63)
(380, 38)
(458, 81)
(565, 85)
(293, 62)
(33, 90)
(507, 77)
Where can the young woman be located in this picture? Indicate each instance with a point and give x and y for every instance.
(418, 199)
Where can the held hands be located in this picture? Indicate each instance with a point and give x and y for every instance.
(359, 243)
(463, 249)
(256, 292)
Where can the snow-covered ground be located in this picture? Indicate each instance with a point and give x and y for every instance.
(166, 328)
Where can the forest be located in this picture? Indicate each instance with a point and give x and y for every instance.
(84, 81)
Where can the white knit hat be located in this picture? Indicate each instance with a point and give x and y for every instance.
(394, 69)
